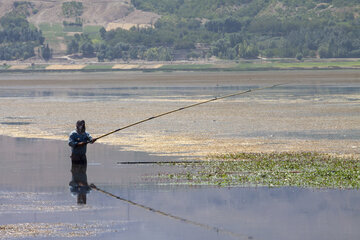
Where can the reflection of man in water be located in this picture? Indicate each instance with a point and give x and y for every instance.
(79, 186)
(78, 141)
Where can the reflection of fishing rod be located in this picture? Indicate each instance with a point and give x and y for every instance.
(189, 106)
(216, 229)
(161, 162)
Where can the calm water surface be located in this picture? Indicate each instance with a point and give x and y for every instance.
(35, 174)
(34, 188)
(312, 90)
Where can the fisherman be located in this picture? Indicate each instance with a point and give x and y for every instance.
(78, 141)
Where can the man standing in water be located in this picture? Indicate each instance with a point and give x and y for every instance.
(78, 141)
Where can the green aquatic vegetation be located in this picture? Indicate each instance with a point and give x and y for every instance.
(301, 169)
(268, 65)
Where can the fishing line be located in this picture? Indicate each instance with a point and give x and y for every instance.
(202, 225)
(212, 228)
(189, 106)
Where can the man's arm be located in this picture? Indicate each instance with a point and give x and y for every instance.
(90, 139)
(72, 141)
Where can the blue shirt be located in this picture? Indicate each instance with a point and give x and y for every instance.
(75, 138)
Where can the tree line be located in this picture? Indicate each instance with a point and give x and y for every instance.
(232, 29)
(18, 38)
(243, 30)
(227, 29)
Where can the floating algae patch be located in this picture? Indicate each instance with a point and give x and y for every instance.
(17, 117)
(63, 230)
(301, 169)
(15, 123)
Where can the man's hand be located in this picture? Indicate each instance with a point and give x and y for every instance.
(93, 140)
(81, 144)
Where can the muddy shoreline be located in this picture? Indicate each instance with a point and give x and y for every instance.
(91, 66)
(181, 69)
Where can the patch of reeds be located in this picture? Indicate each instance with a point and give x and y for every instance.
(300, 169)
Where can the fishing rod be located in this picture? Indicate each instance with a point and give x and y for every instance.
(216, 229)
(189, 106)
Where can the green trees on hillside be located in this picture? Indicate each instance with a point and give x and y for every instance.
(16, 51)
(81, 44)
(233, 29)
(227, 25)
(17, 29)
(228, 29)
(45, 52)
(194, 9)
(24, 8)
(72, 9)
(158, 54)
(72, 47)
(17, 38)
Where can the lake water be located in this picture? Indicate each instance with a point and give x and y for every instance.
(35, 199)
(316, 111)
(312, 105)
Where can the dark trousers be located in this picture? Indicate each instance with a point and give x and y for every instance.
(78, 159)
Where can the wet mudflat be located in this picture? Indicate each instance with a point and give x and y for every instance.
(35, 201)
(315, 111)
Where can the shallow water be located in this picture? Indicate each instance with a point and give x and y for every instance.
(316, 99)
(36, 200)
(34, 189)
(315, 111)
(293, 91)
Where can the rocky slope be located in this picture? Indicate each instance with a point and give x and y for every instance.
(96, 12)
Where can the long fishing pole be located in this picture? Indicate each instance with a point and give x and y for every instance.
(216, 229)
(189, 106)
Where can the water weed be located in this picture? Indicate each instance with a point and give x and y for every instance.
(301, 169)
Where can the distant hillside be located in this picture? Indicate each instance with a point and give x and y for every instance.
(49, 16)
(95, 12)
(232, 29)
(191, 29)
(211, 9)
